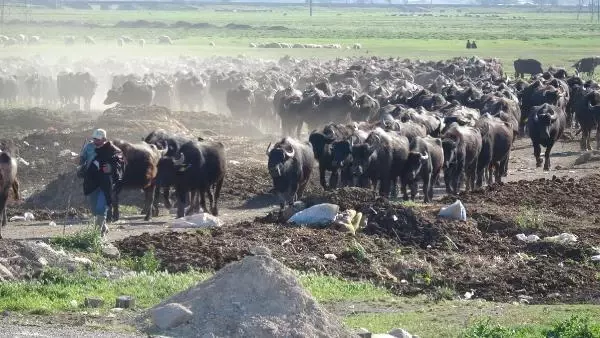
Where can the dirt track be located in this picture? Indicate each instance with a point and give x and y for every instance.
(482, 254)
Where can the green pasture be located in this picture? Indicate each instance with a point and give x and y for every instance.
(554, 38)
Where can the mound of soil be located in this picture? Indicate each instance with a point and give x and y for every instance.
(256, 297)
(346, 198)
(397, 244)
(564, 196)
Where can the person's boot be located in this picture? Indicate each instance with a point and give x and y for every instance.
(101, 225)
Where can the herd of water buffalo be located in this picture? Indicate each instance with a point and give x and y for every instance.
(374, 122)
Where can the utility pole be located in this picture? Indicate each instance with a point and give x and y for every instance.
(309, 6)
(2, 17)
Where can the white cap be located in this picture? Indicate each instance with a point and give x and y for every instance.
(99, 134)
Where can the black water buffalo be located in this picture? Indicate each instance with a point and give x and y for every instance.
(546, 124)
(141, 162)
(380, 159)
(290, 164)
(497, 138)
(198, 168)
(587, 65)
(425, 161)
(130, 93)
(365, 108)
(321, 142)
(527, 66)
(462, 145)
(8, 183)
(586, 114)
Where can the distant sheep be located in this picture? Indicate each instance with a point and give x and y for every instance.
(69, 40)
(21, 38)
(210, 43)
(34, 40)
(120, 42)
(356, 46)
(165, 40)
(126, 39)
(89, 40)
(141, 42)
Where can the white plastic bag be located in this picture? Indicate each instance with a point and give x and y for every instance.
(528, 239)
(319, 214)
(564, 238)
(29, 216)
(455, 210)
(203, 220)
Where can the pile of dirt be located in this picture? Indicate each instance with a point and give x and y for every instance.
(346, 198)
(16, 121)
(413, 246)
(564, 196)
(256, 297)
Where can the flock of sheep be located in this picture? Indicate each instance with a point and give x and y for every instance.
(22, 39)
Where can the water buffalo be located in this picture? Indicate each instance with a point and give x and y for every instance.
(425, 160)
(546, 124)
(290, 164)
(8, 182)
(527, 66)
(462, 145)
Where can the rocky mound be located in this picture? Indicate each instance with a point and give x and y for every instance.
(255, 297)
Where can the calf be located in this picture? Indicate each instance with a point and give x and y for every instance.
(141, 162)
(290, 164)
(497, 138)
(545, 124)
(461, 145)
(527, 66)
(8, 182)
(425, 160)
(199, 169)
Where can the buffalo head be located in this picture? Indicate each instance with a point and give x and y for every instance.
(449, 147)
(415, 162)
(278, 156)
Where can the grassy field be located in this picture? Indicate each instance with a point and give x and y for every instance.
(553, 38)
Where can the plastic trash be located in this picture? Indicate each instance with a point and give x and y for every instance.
(469, 295)
(320, 214)
(52, 224)
(596, 258)
(29, 216)
(65, 152)
(564, 238)
(16, 218)
(21, 160)
(528, 239)
(234, 162)
(455, 210)
(330, 256)
(203, 220)
(56, 144)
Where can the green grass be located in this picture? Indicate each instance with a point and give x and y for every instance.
(458, 318)
(503, 33)
(86, 240)
(56, 290)
(332, 289)
(529, 219)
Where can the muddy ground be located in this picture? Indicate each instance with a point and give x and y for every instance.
(407, 249)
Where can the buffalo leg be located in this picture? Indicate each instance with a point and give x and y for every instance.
(426, 187)
(202, 194)
(585, 136)
(598, 135)
(322, 178)
(537, 150)
(167, 197)
(182, 195)
(333, 179)
(414, 186)
(149, 201)
(214, 208)
(547, 157)
(471, 176)
(115, 214)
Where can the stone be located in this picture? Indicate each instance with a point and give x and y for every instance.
(363, 333)
(400, 333)
(125, 302)
(260, 251)
(110, 251)
(93, 302)
(382, 335)
(330, 256)
(5, 274)
(170, 315)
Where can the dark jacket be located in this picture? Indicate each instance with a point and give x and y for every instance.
(95, 178)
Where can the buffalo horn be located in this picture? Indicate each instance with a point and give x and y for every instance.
(424, 156)
(290, 153)
(269, 146)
